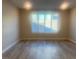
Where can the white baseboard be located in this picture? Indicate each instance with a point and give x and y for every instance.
(45, 39)
(10, 46)
(72, 41)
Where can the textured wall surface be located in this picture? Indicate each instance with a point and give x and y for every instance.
(10, 24)
(73, 25)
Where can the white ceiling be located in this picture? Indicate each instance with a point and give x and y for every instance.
(43, 4)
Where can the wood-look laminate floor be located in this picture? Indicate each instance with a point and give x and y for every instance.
(42, 50)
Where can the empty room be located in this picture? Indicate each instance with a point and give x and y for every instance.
(38, 29)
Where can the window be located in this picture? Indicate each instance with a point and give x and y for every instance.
(45, 22)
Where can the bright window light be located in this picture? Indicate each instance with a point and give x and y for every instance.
(45, 22)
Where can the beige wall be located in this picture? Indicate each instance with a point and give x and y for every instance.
(10, 27)
(73, 25)
(25, 27)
